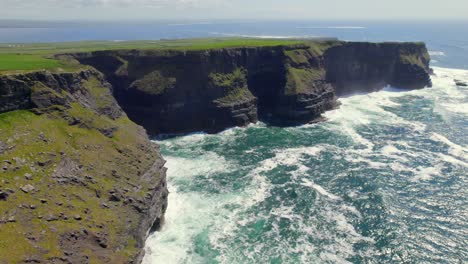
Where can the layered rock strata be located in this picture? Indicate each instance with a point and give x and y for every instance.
(186, 91)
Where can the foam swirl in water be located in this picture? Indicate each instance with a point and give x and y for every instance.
(382, 181)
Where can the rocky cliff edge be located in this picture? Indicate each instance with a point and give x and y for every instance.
(79, 182)
(185, 91)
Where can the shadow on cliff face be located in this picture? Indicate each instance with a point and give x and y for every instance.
(266, 86)
(180, 92)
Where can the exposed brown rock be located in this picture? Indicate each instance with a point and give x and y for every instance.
(27, 188)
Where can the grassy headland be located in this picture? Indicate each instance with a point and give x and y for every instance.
(40, 56)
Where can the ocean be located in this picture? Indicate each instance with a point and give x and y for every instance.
(382, 180)
(447, 40)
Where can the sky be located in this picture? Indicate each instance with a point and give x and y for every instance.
(234, 9)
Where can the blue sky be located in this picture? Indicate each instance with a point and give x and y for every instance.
(233, 9)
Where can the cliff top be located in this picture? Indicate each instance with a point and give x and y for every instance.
(28, 57)
(40, 56)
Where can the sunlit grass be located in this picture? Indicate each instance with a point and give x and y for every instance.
(38, 56)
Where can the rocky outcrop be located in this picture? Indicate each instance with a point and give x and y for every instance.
(365, 67)
(460, 83)
(186, 91)
(80, 182)
(41, 90)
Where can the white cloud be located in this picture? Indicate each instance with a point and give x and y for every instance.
(248, 9)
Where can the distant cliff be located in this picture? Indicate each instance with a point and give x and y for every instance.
(359, 67)
(186, 91)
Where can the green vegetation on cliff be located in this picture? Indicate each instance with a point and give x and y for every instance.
(30, 57)
(154, 83)
(10, 62)
(304, 67)
(301, 80)
(415, 59)
(68, 176)
(234, 86)
(235, 79)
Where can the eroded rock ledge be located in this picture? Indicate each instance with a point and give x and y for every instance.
(81, 183)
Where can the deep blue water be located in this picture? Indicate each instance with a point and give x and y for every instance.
(449, 37)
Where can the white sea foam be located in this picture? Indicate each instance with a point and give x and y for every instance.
(286, 212)
(458, 151)
(450, 100)
(319, 189)
(188, 213)
(225, 213)
(453, 160)
(363, 110)
(436, 53)
(426, 173)
(206, 164)
(288, 157)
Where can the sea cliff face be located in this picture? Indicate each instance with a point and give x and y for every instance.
(365, 67)
(179, 92)
(81, 183)
(187, 91)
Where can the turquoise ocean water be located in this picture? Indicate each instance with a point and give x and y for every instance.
(383, 180)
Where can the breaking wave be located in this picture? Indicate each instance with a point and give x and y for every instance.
(436, 53)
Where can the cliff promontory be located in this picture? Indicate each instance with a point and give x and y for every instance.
(210, 90)
(80, 182)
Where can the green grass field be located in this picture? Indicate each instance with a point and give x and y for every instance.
(26, 62)
(38, 56)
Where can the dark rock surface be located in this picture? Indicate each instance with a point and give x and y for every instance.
(216, 89)
(185, 91)
(42, 90)
(357, 67)
(3, 196)
(460, 83)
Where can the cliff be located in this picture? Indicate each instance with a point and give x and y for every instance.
(80, 183)
(364, 67)
(210, 90)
